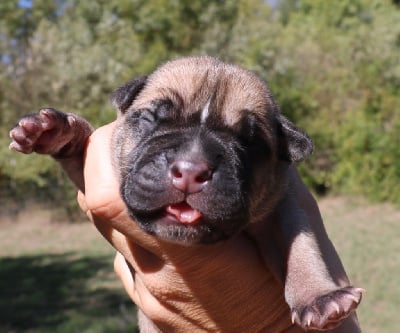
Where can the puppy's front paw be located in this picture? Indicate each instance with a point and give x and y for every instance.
(45, 132)
(327, 311)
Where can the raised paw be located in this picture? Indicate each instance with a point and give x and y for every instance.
(45, 132)
(327, 311)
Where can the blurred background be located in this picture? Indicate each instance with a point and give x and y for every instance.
(334, 67)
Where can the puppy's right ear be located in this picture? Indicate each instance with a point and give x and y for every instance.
(123, 97)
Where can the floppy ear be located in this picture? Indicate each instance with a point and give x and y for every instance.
(295, 145)
(123, 97)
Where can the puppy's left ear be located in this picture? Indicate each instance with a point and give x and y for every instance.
(123, 97)
(294, 144)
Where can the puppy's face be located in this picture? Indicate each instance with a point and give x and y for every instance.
(201, 150)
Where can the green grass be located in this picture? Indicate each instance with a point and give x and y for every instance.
(58, 277)
(367, 238)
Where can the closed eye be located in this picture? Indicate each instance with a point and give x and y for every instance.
(143, 120)
(162, 110)
(147, 116)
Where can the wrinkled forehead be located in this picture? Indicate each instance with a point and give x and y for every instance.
(208, 87)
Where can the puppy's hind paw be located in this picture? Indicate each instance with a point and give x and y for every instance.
(327, 311)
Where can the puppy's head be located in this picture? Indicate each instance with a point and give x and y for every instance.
(201, 150)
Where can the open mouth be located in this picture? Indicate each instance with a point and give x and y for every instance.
(183, 213)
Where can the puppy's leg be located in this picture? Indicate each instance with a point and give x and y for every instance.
(51, 132)
(316, 300)
(295, 246)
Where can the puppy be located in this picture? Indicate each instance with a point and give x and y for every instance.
(203, 153)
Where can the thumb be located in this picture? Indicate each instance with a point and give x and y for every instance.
(101, 183)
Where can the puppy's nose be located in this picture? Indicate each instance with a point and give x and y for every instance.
(189, 176)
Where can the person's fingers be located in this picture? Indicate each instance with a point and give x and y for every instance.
(126, 275)
(137, 290)
(82, 202)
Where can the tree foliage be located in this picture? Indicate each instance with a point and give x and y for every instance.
(333, 66)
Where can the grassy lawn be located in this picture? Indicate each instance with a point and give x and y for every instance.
(367, 238)
(58, 277)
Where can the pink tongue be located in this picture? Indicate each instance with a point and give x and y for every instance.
(184, 213)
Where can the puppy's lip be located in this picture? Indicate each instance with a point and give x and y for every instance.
(184, 213)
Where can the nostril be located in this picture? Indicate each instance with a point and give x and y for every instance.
(176, 172)
(203, 176)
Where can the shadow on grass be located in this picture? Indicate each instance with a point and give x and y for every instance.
(61, 293)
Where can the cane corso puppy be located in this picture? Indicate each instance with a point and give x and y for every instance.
(203, 153)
